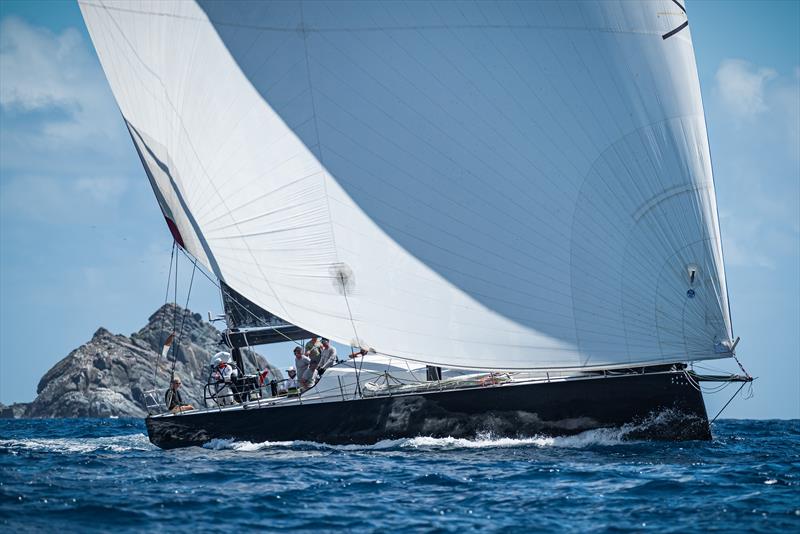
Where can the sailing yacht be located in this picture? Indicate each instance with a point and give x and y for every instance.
(507, 208)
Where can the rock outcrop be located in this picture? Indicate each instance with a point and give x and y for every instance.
(110, 375)
(14, 411)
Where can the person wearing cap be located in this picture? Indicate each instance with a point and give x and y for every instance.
(225, 375)
(328, 356)
(173, 399)
(289, 386)
(304, 371)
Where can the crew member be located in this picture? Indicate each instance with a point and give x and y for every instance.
(225, 376)
(289, 385)
(328, 356)
(173, 399)
(304, 371)
(313, 351)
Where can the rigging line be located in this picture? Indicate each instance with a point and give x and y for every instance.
(174, 346)
(343, 281)
(163, 315)
(740, 364)
(183, 321)
(729, 401)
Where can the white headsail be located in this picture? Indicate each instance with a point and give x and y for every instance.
(498, 185)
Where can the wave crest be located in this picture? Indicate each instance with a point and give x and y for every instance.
(599, 437)
(125, 443)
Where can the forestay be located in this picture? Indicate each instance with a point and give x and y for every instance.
(497, 185)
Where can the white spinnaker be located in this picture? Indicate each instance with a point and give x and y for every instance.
(494, 185)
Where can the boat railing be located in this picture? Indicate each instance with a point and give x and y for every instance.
(250, 392)
(152, 402)
(232, 392)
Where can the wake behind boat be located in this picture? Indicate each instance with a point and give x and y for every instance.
(506, 210)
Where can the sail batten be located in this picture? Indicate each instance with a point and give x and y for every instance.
(482, 184)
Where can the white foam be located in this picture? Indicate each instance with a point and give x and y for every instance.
(602, 437)
(245, 446)
(584, 439)
(130, 442)
(248, 446)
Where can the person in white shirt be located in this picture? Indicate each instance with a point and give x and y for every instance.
(225, 375)
(328, 356)
(304, 370)
(289, 386)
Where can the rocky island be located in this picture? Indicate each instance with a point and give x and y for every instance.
(109, 375)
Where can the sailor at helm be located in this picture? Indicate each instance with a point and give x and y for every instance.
(224, 374)
(289, 386)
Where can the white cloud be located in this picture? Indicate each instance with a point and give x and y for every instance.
(55, 74)
(64, 153)
(741, 87)
(754, 121)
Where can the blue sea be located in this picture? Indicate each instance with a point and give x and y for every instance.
(99, 475)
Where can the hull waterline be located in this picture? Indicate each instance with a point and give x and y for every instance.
(657, 406)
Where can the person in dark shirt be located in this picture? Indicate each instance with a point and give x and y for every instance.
(172, 398)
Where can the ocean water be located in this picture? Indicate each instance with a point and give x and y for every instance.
(92, 475)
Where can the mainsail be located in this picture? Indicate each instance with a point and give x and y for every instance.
(508, 185)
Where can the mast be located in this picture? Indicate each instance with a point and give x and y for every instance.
(249, 325)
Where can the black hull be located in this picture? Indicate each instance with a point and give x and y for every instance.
(657, 406)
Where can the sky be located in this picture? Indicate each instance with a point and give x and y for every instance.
(83, 243)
